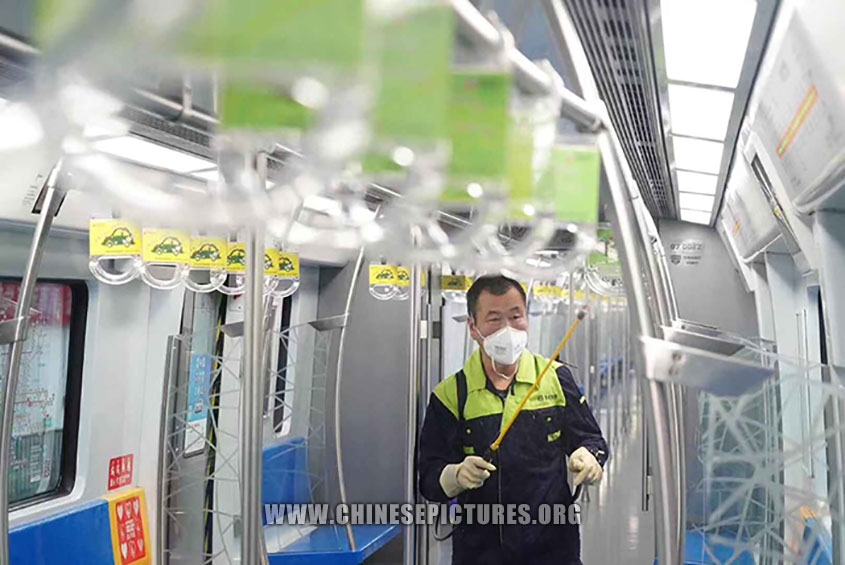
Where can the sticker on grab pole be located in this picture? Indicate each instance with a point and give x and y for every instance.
(236, 257)
(382, 274)
(208, 251)
(114, 237)
(271, 262)
(129, 528)
(403, 276)
(288, 265)
(455, 282)
(166, 246)
(120, 471)
(383, 283)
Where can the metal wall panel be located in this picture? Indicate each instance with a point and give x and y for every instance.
(711, 291)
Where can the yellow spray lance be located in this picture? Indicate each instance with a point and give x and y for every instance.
(491, 451)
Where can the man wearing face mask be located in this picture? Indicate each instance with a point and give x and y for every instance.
(466, 412)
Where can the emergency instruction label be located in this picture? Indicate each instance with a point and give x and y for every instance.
(120, 471)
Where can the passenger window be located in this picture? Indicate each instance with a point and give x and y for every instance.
(46, 418)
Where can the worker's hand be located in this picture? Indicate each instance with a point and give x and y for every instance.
(469, 474)
(585, 466)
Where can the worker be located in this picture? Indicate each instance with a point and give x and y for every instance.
(464, 416)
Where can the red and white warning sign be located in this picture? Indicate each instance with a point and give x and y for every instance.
(130, 530)
(130, 539)
(120, 471)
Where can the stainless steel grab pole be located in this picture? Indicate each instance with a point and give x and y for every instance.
(338, 389)
(338, 386)
(570, 315)
(478, 31)
(427, 355)
(631, 254)
(252, 389)
(674, 392)
(409, 534)
(53, 195)
(638, 286)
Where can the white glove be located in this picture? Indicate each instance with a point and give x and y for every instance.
(585, 466)
(470, 473)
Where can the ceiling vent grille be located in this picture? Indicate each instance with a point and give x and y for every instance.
(616, 47)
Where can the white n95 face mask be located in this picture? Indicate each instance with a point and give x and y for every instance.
(505, 346)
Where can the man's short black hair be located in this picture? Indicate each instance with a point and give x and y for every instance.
(494, 284)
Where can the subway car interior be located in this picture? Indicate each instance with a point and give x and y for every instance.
(237, 239)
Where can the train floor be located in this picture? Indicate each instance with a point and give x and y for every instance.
(613, 523)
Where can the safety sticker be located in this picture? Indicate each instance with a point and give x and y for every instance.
(113, 237)
(546, 290)
(288, 265)
(236, 257)
(129, 528)
(383, 274)
(120, 471)
(403, 276)
(455, 282)
(271, 262)
(166, 246)
(207, 251)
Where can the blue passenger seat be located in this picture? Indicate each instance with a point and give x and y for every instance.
(286, 479)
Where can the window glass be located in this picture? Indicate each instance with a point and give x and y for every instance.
(39, 418)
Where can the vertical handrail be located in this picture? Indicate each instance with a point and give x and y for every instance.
(608, 348)
(617, 342)
(410, 494)
(835, 455)
(667, 312)
(570, 355)
(668, 287)
(338, 381)
(626, 371)
(643, 291)
(425, 392)
(53, 195)
(673, 392)
(656, 402)
(252, 391)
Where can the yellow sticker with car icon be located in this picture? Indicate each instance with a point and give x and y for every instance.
(288, 265)
(113, 237)
(271, 262)
(383, 274)
(208, 251)
(236, 257)
(455, 282)
(546, 290)
(403, 276)
(166, 246)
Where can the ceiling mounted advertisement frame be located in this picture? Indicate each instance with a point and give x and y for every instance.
(799, 120)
